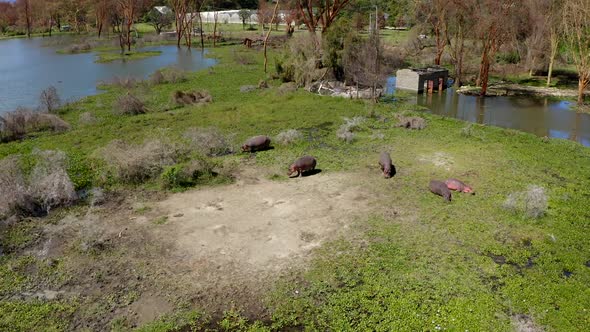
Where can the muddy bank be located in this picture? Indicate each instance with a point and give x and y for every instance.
(505, 89)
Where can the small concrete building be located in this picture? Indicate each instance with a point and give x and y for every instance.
(421, 79)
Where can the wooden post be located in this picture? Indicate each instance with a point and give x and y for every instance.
(430, 86)
(440, 84)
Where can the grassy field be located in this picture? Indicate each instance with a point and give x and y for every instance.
(412, 262)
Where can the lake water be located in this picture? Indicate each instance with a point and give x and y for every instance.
(26, 68)
(540, 116)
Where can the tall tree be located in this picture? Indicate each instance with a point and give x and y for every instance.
(26, 14)
(576, 36)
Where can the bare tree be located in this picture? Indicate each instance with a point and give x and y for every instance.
(101, 14)
(274, 17)
(576, 24)
(180, 8)
(493, 28)
(436, 12)
(129, 10)
(457, 28)
(554, 27)
(316, 13)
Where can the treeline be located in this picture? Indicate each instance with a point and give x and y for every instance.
(45, 16)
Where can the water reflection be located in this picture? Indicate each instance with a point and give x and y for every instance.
(26, 68)
(540, 116)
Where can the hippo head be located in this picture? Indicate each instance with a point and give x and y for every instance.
(291, 170)
(468, 190)
(245, 148)
(386, 173)
(447, 196)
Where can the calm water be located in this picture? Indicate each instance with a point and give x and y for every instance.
(540, 116)
(26, 68)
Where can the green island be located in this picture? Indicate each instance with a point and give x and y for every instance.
(104, 57)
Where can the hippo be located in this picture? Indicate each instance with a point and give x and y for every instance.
(386, 165)
(256, 143)
(303, 164)
(458, 185)
(440, 188)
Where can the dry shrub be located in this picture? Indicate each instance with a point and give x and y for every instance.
(209, 141)
(288, 136)
(50, 185)
(411, 122)
(302, 64)
(16, 125)
(49, 100)
(346, 130)
(136, 163)
(13, 188)
(78, 48)
(47, 187)
(96, 197)
(122, 82)
(262, 84)
(243, 58)
(247, 88)
(129, 105)
(175, 75)
(287, 88)
(532, 202)
(192, 97)
(87, 118)
(157, 78)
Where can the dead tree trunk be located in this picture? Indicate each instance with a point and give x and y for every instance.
(274, 15)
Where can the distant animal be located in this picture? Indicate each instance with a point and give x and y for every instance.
(440, 188)
(386, 166)
(458, 185)
(303, 164)
(256, 143)
(247, 42)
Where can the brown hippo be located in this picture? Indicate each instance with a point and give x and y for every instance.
(303, 164)
(386, 165)
(458, 185)
(440, 188)
(256, 143)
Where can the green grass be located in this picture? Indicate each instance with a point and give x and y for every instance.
(34, 316)
(127, 56)
(414, 262)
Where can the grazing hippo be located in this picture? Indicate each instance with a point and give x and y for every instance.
(303, 164)
(440, 188)
(454, 184)
(256, 143)
(386, 165)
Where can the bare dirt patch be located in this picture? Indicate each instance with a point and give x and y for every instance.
(211, 248)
